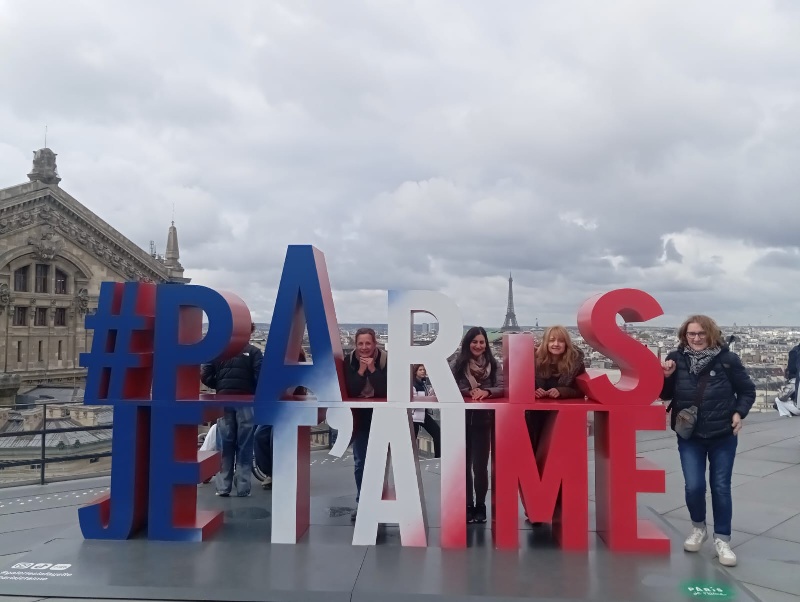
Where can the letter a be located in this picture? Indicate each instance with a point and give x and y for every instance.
(391, 439)
(304, 298)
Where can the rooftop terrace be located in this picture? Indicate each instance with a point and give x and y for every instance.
(38, 524)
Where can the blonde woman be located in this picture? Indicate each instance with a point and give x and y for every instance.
(558, 364)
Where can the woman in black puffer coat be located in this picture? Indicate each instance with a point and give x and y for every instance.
(704, 367)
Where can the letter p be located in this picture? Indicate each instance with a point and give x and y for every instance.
(179, 345)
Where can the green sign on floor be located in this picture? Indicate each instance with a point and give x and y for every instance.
(708, 590)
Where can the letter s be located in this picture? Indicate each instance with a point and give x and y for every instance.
(642, 377)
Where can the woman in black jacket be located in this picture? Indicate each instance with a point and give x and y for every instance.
(704, 373)
(477, 375)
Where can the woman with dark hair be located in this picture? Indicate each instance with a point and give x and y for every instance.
(422, 386)
(704, 379)
(477, 375)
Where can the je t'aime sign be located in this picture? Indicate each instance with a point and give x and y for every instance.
(148, 345)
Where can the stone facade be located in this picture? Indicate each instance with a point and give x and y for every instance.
(54, 253)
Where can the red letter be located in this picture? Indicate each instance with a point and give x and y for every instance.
(642, 377)
(519, 368)
(554, 486)
(620, 475)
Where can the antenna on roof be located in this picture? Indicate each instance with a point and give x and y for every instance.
(173, 214)
(45, 135)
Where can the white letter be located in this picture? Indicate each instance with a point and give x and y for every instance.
(402, 306)
(291, 480)
(391, 449)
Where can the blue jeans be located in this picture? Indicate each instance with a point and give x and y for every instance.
(360, 441)
(236, 430)
(720, 453)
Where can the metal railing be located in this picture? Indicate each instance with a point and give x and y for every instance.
(43, 460)
(12, 457)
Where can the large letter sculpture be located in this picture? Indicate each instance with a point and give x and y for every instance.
(304, 299)
(155, 459)
(391, 444)
(120, 367)
(145, 359)
(619, 475)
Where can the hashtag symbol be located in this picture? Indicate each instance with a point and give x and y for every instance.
(120, 364)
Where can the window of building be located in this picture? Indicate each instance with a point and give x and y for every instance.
(41, 353)
(61, 283)
(60, 318)
(40, 319)
(59, 349)
(42, 272)
(21, 279)
(19, 351)
(20, 316)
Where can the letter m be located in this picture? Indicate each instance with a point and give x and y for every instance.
(553, 481)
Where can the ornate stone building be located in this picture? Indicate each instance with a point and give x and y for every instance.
(54, 253)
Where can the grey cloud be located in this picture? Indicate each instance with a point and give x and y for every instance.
(432, 145)
(671, 253)
(785, 258)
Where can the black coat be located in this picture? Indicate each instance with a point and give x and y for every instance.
(729, 390)
(362, 417)
(793, 365)
(792, 369)
(237, 375)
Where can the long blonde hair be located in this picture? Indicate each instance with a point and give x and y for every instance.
(566, 363)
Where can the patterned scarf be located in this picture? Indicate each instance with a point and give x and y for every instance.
(700, 359)
(477, 371)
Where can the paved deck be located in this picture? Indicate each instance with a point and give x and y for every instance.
(766, 539)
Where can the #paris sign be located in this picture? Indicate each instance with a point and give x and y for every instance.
(149, 343)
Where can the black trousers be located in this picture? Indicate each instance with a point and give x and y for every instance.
(434, 431)
(536, 422)
(479, 445)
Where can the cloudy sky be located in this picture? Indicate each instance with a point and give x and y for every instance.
(583, 146)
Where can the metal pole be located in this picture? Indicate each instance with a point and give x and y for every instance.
(8, 329)
(44, 435)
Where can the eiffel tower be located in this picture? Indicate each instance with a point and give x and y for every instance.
(510, 324)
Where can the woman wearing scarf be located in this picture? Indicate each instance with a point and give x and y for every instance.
(477, 374)
(705, 374)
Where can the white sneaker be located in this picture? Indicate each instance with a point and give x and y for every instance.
(695, 540)
(724, 553)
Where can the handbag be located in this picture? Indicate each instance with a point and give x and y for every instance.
(686, 420)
